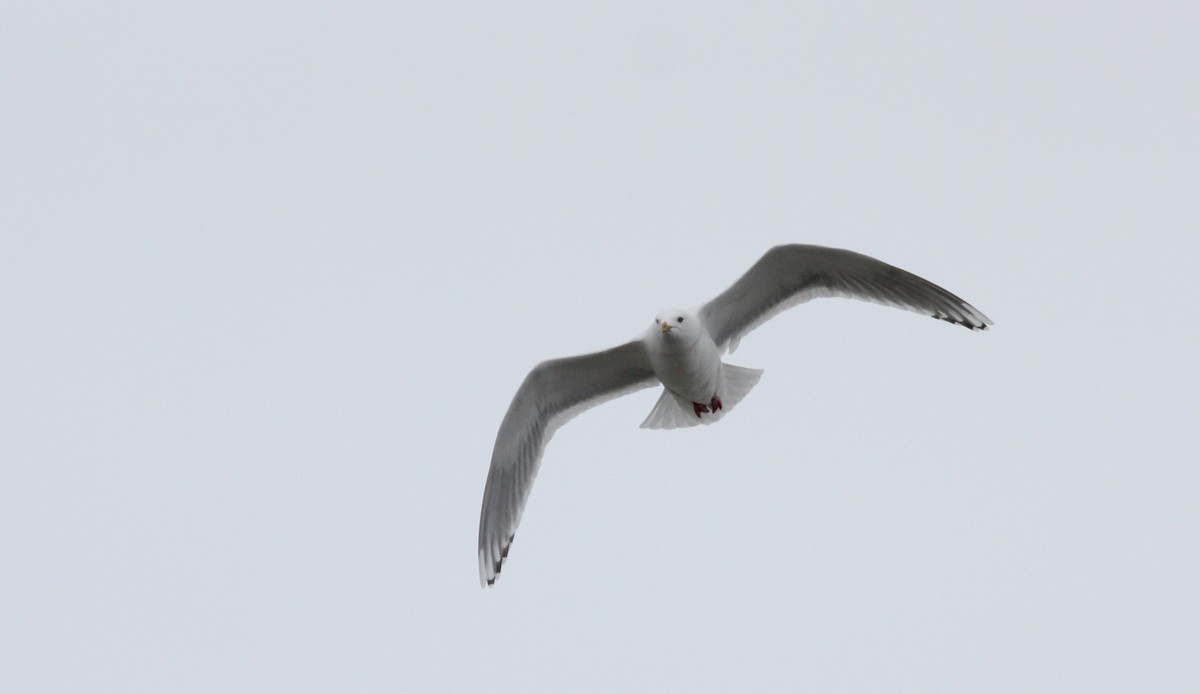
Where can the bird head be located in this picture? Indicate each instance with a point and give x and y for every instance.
(676, 323)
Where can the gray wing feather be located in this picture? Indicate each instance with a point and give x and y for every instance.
(554, 392)
(790, 275)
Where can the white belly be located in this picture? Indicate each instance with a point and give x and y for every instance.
(691, 371)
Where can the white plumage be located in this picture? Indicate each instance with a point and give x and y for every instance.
(682, 351)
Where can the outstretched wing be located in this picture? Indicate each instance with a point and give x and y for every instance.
(554, 392)
(790, 275)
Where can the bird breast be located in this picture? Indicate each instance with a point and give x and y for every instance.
(688, 370)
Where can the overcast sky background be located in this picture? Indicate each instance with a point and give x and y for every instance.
(270, 275)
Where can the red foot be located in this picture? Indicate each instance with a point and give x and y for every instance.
(715, 404)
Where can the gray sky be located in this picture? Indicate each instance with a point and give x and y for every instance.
(269, 276)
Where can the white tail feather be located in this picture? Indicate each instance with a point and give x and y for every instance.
(674, 412)
(671, 412)
(736, 382)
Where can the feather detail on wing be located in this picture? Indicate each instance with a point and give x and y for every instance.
(791, 275)
(553, 393)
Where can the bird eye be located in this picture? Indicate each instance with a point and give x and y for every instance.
(679, 319)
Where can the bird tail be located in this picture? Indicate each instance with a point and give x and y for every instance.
(674, 412)
(736, 382)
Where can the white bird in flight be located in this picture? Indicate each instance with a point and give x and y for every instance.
(682, 351)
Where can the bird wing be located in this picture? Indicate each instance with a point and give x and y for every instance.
(789, 275)
(552, 393)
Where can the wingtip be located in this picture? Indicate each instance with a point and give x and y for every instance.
(971, 318)
(489, 569)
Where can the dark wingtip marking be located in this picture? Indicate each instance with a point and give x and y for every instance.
(964, 323)
(498, 564)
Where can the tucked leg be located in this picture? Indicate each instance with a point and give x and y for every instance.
(716, 403)
(698, 407)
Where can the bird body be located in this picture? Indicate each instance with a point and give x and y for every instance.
(683, 356)
(682, 351)
(688, 364)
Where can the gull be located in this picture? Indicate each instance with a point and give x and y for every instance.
(682, 351)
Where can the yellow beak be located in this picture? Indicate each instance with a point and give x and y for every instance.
(666, 327)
